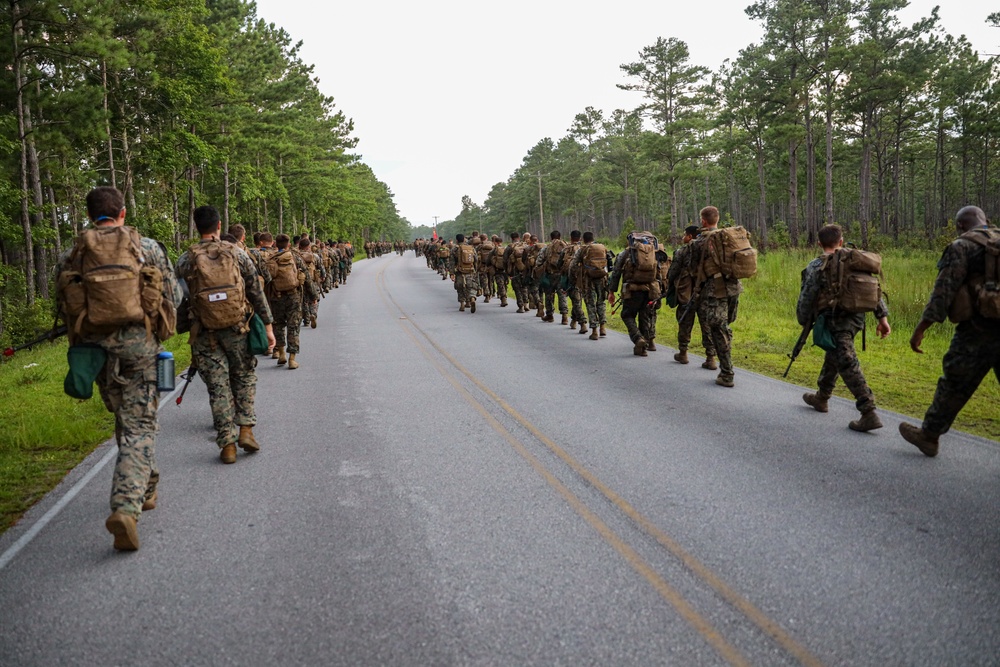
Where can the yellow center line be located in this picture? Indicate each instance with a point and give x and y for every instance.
(730, 653)
(734, 598)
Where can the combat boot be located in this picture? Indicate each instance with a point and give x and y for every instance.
(681, 357)
(710, 363)
(924, 441)
(572, 324)
(593, 334)
(461, 307)
(312, 322)
(281, 356)
(228, 453)
(503, 302)
(548, 317)
(520, 308)
(472, 305)
(603, 331)
(565, 320)
(150, 502)
(869, 422)
(487, 299)
(292, 364)
(816, 402)
(540, 312)
(122, 526)
(246, 441)
(725, 381)
(639, 349)
(583, 327)
(274, 354)
(651, 345)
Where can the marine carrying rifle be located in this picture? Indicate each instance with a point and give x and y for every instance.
(47, 336)
(803, 338)
(188, 376)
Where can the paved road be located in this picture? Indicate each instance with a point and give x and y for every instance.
(442, 488)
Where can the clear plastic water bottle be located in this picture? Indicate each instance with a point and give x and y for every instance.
(165, 371)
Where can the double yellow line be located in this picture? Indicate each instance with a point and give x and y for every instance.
(714, 638)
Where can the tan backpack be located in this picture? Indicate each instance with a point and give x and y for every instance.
(466, 259)
(728, 254)
(851, 281)
(497, 258)
(642, 267)
(595, 261)
(310, 262)
(554, 258)
(484, 248)
(285, 274)
(980, 293)
(218, 300)
(106, 283)
(517, 258)
(443, 252)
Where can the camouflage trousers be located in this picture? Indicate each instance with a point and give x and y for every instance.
(343, 268)
(310, 309)
(973, 353)
(595, 296)
(576, 304)
(128, 388)
(716, 315)
(534, 294)
(500, 285)
(466, 286)
(638, 317)
(517, 281)
(843, 361)
(685, 323)
(227, 368)
(554, 297)
(485, 284)
(287, 312)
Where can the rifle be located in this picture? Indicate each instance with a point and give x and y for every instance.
(47, 336)
(803, 338)
(188, 376)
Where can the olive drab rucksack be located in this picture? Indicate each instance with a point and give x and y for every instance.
(443, 252)
(466, 259)
(517, 258)
(484, 249)
(497, 258)
(285, 274)
(728, 254)
(851, 281)
(595, 261)
(310, 262)
(218, 299)
(642, 266)
(106, 284)
(555, 256)
(981, 293)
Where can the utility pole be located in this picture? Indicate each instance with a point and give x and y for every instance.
(541, 211)
(435, 224)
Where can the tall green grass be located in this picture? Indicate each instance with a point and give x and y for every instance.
(903, 381)
(46, 433)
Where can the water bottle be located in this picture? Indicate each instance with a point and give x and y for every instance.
(165, 371)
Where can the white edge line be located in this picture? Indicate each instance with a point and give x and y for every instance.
(26, 539)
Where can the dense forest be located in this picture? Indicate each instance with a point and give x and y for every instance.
(177, 103)
(840, 113)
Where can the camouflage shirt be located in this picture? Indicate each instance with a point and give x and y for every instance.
(960, 260)
(680, 265)
(252, 289)
(813, 283)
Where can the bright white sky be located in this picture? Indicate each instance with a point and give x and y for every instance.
(447, 96)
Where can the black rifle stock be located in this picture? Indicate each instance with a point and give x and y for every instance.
(191, 372)
(803, 338)
(51, 335)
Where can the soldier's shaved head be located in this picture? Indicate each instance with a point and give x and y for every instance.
(970, 217)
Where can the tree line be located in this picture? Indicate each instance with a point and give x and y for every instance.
(177, 103)
(840, 113)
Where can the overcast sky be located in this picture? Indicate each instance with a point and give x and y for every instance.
(447, 97)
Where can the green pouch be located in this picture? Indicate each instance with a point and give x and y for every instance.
(671, 297)
(545, 282)
(822, 338)
(85, 362)
(257, 337)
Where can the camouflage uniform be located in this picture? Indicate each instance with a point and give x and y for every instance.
(593, 290)
(842, 360)
(975, 346)
(517, 280)
(223, 358)
(499, 275)
(485, 249)
(549, 285)
(717, 304)
(127, 384)
(569, 286)
(680, 266)
(286, 308)
(635, 301)
(531, 283)
(466, 284)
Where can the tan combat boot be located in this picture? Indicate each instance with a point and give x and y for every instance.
(725, 381)
(541, 311)
(150, 502)
(710, 363)
(639, 349)
(461, 307)
(924, 441)
(281, 356)
(122, 526)
(520, 308)
(228, 453)
(274, 353)
(503, 301)
(681, 357)
(603, 331)
(572, 324)
(312, 322)
(593, 334)
(472, 305)
(651, 345)
(292, 364)
(869, 422)
(816, 402)
(565, 320)
(246, 441)
(583, 327)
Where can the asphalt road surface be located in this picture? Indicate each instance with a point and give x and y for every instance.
(446, 488)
